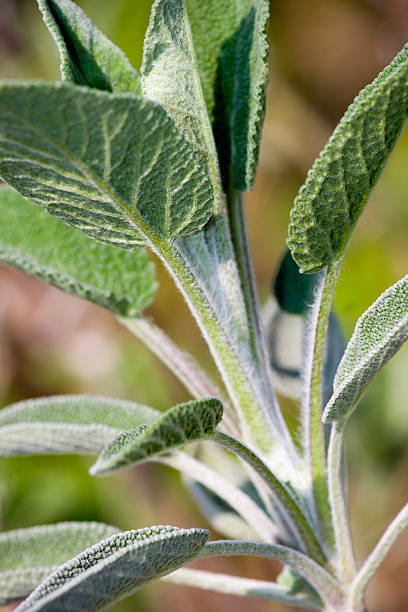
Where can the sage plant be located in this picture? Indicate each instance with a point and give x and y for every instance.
(108, 162)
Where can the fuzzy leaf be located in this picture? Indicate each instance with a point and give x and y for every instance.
(28, 556)
(39, 244)
(231, 46)
(170, 72)
(113, 165)
(87, 56)
(67, 424)
(338, 185)
(115, 568)
(179, 425)
(378, 335)
(286, 327)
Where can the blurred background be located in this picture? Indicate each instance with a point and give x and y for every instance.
(323, 53)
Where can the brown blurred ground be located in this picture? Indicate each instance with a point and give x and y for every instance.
(323, 52)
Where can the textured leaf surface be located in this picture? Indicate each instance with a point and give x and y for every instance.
(378, 335)
(232, 53)
(179, 425)
(28, 556)
(286, 327)
(115, 568)
(87, 56)
(113, 165)
(67, 424)
(42, 245)
(170, 72)
(337, 187)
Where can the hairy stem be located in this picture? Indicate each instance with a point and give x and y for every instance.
(257, 425)
(377, 556)
(239, 501)
(240, 242)
(287, 506)
(182, 364)
(234, 585)
(314, 438)
(327, 586)
(344, 548)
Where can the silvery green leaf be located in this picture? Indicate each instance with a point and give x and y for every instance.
(338, 185)
(42, 245)
(231, 46)
(28, 556)
(170, 73)
(87, 56)
(293, 296)
(113, 165)
(67, 424)
(115, 568)
(181, 424)
(378, 335)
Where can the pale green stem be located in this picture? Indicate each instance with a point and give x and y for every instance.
(240, 241)
(327, 586)
(314, 437)
(234, 585)
(239, 501)
(287, 506)
(377, 556)
(236, 380)
(182, 364)
(345, 561)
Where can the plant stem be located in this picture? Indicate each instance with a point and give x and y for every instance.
(314, 438)
(239, 501)
(234, 585)
(377, 556)
(240, 242)
(251, 405)
(182, 364)
(344, 548)
(287, 506)
(327, 586)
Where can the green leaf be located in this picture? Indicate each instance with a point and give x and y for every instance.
(87, 56)
(337, 187)
(170, 72)
(67, 424)
(178, 426)
(113, 165)
(28, 556)
(287, 326)
(231, 46)
(378, 335)
(39, 244)
(115, 568)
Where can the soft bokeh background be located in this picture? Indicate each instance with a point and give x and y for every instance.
(323, 52)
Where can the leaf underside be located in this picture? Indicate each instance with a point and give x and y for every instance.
(87, 56)
(67, 424)
(179, 425)
(28, 556)
(42, 245)
(112, 165)
(115, 568)
(342, 178)
(378, 335)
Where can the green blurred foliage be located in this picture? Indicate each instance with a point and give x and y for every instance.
(322, 54)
